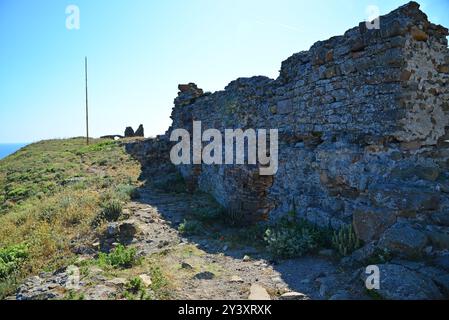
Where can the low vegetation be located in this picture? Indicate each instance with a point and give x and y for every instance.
(135, 290)
(11, 259)
(50, 193)
(345, 241)
(191, 227)
(288, 237)
(120, 257)
(292, 237)
(59, 195)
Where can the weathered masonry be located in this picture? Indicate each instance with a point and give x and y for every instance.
(363, 124)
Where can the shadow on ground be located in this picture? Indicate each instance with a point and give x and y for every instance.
(317, 277)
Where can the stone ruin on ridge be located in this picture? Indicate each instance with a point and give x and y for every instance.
(363, 123)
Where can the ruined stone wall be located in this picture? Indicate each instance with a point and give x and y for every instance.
(363, 121)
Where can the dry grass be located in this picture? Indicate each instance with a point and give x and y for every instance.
(49, 194)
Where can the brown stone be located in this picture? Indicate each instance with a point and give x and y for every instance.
(419, 35)
(330, 56)
(411, 145)
(405, 75)
(369, 224)
(443, 68)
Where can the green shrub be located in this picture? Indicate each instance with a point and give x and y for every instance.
(11, 259)
(112, 210)
(17, 194)
(101, 146)
(289, 243)
(120, 257)
(135, 285)
(291, 237)
(190, 227)
(47, 215)
(127, 192)
(73, 295)
(160, 284)
(135, 290)
(345, 241)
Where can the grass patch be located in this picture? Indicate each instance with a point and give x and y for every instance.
(128, 192)
(120, 257)
(11, 258)
(74, 295)
(191, 228)
(135, 290)
(112, 210)
(292, 237)
(160, 284)
(50, 192)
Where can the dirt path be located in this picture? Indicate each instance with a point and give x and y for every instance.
(218, 270)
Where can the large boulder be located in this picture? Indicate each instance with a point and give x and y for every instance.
(127, 230)
(139, 132)
(400, 283)
(404, 240)
(129, 132)
(123, 231)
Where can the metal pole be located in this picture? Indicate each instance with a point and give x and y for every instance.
(87, 103)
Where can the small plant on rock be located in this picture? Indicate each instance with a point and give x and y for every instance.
(380, 256)
(345, 241)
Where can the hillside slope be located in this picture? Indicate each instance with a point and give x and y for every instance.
(50, 192)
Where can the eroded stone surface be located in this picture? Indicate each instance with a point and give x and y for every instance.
(363, 137)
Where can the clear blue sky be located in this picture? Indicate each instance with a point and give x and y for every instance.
(139, 50)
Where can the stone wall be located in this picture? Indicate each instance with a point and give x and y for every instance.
(363, 126)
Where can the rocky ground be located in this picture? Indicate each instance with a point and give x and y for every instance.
(204, 267)
(199, 267)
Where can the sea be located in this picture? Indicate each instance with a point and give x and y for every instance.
(7, 149)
